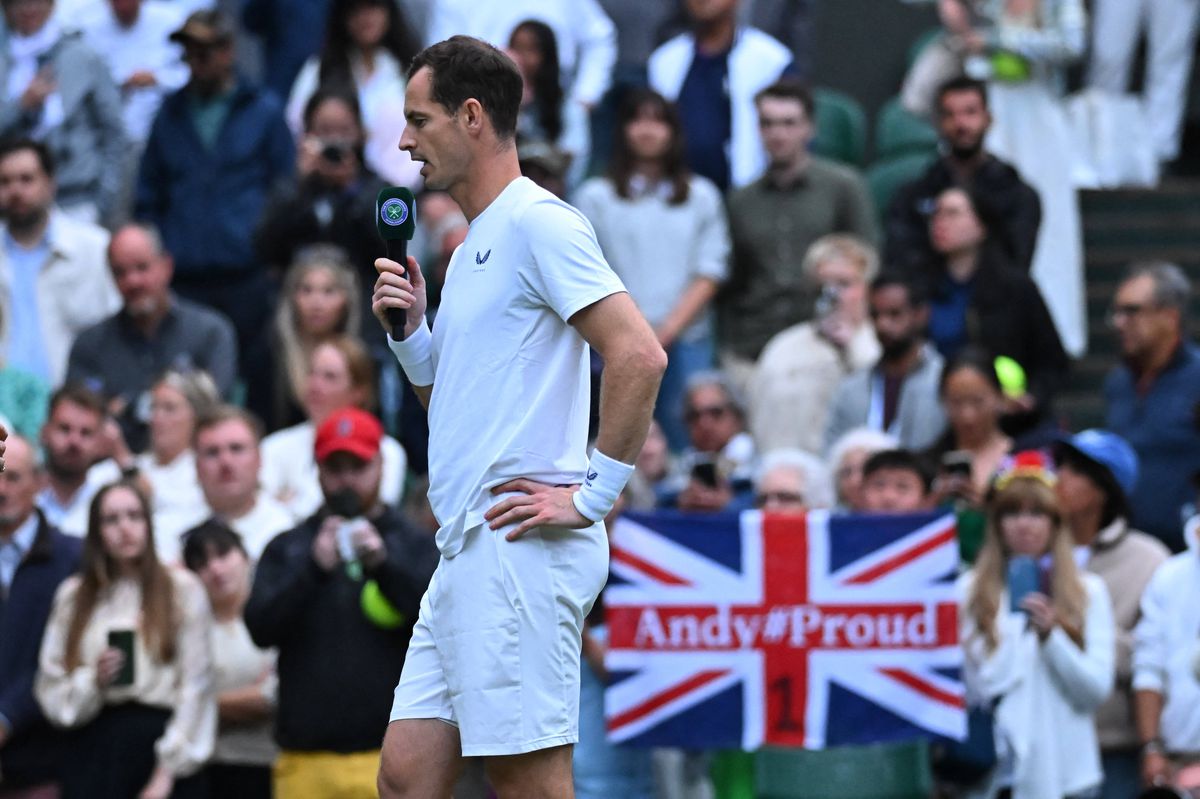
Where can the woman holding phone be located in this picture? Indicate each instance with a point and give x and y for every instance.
(1039, 641)
(126, 662)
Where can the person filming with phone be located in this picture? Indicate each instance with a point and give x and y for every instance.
(125, 663)
(1039, 640)
(338, 597)
(718, 466)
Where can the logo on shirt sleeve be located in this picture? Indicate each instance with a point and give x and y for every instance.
(482, 260)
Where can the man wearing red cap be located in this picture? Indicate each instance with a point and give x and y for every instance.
(493, 668)
(338, 595)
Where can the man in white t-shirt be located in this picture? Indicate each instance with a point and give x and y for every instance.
(227, 467)
(493, 667)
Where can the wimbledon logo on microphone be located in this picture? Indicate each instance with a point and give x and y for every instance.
(393, 212)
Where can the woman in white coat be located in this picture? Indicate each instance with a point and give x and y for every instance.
(1046, 665)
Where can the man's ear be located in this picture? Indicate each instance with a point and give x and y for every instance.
(473, 116)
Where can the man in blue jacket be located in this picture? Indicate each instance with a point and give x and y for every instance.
(34, 559)
(1153, 398)
(215, 150)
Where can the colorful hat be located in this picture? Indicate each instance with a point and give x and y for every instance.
(1033, 464)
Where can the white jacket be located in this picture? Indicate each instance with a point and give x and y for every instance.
(1048, 693)
(75, 290)
(755, 62)
(1165, 644)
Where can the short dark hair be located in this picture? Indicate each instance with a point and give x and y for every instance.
(918, 295)
(958, 84)
(462, 68)
(21, 143)
(77, 394)
(213, 537)
(790, 89)
(902, 460)
(1116, 504)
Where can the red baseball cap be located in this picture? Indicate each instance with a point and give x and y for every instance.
(349, 430)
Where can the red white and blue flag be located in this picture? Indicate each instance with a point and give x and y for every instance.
(814, 631)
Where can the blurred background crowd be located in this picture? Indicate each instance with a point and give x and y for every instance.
(213, 525)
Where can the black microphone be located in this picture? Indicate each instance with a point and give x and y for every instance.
(396, 220)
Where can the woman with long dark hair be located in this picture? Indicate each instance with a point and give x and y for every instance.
(368, 46)
(979, 299)
(1039, 641)
(663, 230)
(547, 115)
(126, 663)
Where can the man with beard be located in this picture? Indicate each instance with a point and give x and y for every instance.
(155, 330)
(899, 394)
(72, 441)
(963, 119)
(53, 283)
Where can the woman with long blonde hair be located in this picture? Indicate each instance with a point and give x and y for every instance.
(125, 662)
(1043, 660)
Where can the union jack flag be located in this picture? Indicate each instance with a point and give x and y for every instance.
(819, 630)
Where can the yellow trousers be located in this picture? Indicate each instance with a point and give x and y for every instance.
(326, 775)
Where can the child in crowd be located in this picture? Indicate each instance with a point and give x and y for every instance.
(896, 481)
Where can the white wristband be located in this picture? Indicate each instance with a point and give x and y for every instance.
(605, 480)
(415, 355)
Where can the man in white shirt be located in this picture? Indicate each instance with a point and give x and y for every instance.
(1166, 692)
(493, 667)
(54, 278)
(227, 466)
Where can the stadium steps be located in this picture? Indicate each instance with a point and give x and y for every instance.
(1120, 227)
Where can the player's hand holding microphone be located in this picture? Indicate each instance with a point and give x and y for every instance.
(400, 300)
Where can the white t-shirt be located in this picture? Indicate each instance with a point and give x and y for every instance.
(289, 470)
(511, 390)
(267, 520)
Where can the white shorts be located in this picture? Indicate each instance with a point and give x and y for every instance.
(496, 647)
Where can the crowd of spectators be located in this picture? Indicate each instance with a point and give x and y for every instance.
(213, 529)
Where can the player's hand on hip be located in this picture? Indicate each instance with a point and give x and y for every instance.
(399, 287)
(536, 505)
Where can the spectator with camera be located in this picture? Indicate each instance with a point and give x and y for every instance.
(1096, 471)
(716, 471)
(899, 392)
(793, 384)
(347, 580)
(331, 198)
(126, 664)
(1038, 636)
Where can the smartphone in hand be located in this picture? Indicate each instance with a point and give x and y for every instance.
(1024, 578)
(123, 640)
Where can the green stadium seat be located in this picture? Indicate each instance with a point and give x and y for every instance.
(841, 128)
(880, 771)
(884, 178)
(897, 132)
